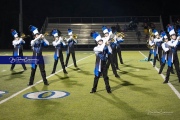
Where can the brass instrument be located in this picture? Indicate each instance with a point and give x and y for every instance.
(24, 36)
(120, 34)
(111, 38)
(74, 36)
(151, 34)
(148, 45)
(45, 34)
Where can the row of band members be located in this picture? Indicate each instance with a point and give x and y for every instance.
(106, 51)
(164, 48)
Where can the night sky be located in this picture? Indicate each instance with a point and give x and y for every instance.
(35, 11)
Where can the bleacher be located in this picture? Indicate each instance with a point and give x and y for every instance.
(83, 31)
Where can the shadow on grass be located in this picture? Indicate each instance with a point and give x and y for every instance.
(125, 83)
(141, 68)
(82, 71)
(124, 106)
(67, 80)
(140, 76)
(14, 73)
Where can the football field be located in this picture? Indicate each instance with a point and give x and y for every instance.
(138, 94)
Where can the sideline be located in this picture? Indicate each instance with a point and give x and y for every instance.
(15, 94)
(170, 85)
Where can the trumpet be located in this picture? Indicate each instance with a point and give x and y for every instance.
(120, 34)
(74, 36)
(45, 34)
(24, 36)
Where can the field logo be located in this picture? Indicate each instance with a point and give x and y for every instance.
(2, 92)
(46, 95)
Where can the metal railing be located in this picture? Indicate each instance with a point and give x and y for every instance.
(102, 19)
(44, 26)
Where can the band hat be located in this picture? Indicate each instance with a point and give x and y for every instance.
(105, 29)
(96, 36)
(155, 32)
(110, 31)
(55, 33)
(70, 32)
(170, 29)
(163, 34)
(33, 29)
(14, 33)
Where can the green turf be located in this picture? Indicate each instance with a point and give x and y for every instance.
(139, 93)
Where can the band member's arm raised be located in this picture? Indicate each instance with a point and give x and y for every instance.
(45, 42)
(61, 40)
(174, 44)
(33, 41)
(56, 43)
(21, 41)
(164, 47)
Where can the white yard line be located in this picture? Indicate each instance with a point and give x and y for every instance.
(170, 85)
(15, 94)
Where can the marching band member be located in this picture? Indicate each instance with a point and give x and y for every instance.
(70, 48)
(106, 39)
(37, 44)
(158, 48)
(119, 40)
(113, 44)
(58, 43)
(18, 47)
(151, 45)
(165, 48)
(101, 52)
(172, 55)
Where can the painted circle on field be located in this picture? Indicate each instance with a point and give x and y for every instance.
(46, 95)
(2, 92)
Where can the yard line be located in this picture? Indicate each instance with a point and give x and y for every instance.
(15, 94)
(170, 85)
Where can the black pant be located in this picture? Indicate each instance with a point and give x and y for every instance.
(23, 65)
(162, 67)
(56, 62)
(119, 54)
(115, 59)
(160, 56)
(73, 57)
(149, 56)
(176, 65)
(111, 61)
(43, 74)
(155, 58)
(106, 78)
(13, 65)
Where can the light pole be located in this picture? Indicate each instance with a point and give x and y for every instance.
(20, 18)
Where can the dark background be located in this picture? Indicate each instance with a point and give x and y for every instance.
(35, 12)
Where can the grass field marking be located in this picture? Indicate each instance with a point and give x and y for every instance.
(15, 94)
(169, 84)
